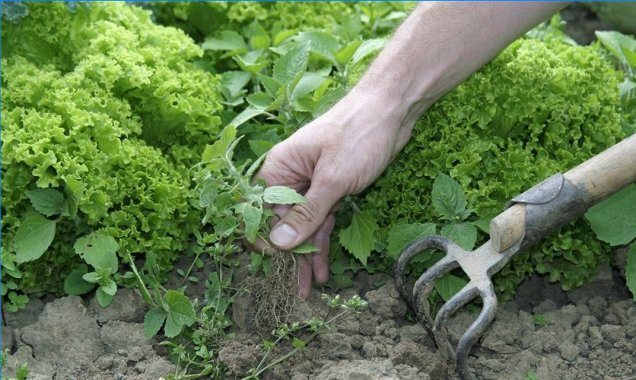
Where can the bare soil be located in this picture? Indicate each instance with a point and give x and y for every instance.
(545, 333)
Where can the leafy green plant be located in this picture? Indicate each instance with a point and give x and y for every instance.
(528, 123)
(233, 204)
(614, 221)
(623, 48)
(103, 115)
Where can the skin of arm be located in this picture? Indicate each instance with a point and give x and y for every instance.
(343, 151)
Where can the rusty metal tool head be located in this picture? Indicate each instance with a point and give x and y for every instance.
(479, 265)
(529, 217)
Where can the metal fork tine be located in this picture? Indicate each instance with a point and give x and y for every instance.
(464, 296)
(417, 246)
(476, 329)
(425, 284)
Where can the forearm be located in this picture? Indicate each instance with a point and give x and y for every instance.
(439, 46)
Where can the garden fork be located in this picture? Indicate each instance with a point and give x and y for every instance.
(528, 218)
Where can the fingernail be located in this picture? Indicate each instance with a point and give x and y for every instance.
(283, 235)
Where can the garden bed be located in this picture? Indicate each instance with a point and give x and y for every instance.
(544, 333)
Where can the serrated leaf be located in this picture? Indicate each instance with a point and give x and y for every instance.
(47, 202)
(180, 313)
(246, 115)
(259, 38)
(256, 164)
(463, 234)
(226, 41)
(98, 250)
(260, 100)
(614, 219)
(75, 285)
(304, 248)
(103, 299)
(320, 43)
(448, 197)
(344, 55)
(367, 48)
(221, 145)
(620, 45)
(271, 85)
(260, 147)
(234, 81)
(291, 64)
(280, 37)
(153, 320)
(359, 238)
(251, 219)
(449, 285)
(282, 195)
(630, 270)
(33, 238)
(109, 288)
(308, 83)
(402, 235)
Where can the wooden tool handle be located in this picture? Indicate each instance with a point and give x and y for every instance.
(593, 180)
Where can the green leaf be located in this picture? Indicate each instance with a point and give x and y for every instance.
(74, 284)
(282, 195)
(463, 234)
(298, 343)
(449, 285)
(304, 248)
(367, 48)
(271, 85)
(291, 64)
(614, 219)
(103, 298)
(359, 238)
(630, 270)
(252, 62)
(620, 45)
(483, 224)
(98, 250)
(260, 100)
(234, 81)
(153, 321)
(260, 147)
(256, 261)
(321, 43)
(220, 146)
(402, 235)
(252, 220)
(91, 277)
(308, 83)
(448, 197)
(258, 36)
(282, 36)
(110, 288)
(47, 202)
(227, 41)
(246, 115)
(180, 313)
(33, 238)
(344, 55)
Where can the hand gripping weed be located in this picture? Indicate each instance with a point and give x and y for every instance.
(528, 218)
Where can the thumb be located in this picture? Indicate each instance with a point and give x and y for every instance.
(304, 219)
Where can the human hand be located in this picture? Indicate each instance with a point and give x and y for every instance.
(340, 153)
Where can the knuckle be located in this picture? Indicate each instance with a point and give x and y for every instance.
(304, 212)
